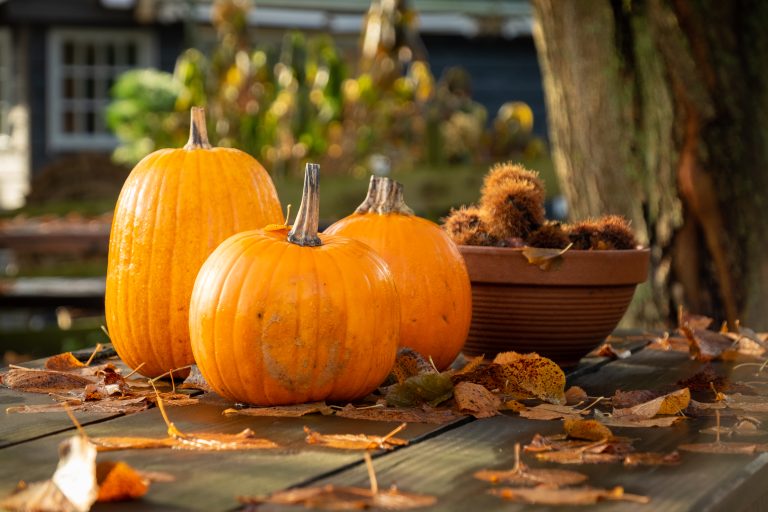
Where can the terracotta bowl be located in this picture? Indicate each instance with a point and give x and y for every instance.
(561, 314)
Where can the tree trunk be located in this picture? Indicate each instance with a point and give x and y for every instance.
(658, 110)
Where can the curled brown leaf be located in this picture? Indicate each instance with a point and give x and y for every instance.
(423, 414)
(356, 441)
(476, 400)
(285, 411)
(671, 403)
(568, 496)
(590, 430)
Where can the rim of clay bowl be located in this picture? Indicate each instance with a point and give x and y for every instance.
(505, 265)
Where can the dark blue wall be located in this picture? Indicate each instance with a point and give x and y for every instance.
(31, 20)
(502, 70)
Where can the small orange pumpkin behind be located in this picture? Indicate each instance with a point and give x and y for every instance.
(175, 207)
(431, 278)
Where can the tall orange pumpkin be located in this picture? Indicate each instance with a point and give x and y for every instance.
(432, 280)
(175, 207)
(281, 317)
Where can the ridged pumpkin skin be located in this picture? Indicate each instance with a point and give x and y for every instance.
(429, 271)
(273, 322)
(175, 207)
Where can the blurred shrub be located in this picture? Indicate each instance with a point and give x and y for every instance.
(299, 101)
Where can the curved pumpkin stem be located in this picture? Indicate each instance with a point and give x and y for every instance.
(198, 131)
(370, 198)
(305, 226)
(385, 195)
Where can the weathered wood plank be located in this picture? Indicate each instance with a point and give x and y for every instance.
(209, 481)
(444, 467)
(18, 428)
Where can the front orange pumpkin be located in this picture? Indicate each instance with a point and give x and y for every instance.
(431, 278)
(175, 207)
(282, 318)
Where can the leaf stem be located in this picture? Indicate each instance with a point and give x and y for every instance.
(371, 474)
(99, 347)
(135, 370)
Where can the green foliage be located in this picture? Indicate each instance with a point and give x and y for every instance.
(301, 101)
(140, 113)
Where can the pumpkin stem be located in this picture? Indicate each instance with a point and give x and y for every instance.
(385, 195)
(370, 198)
(305, 226)
(198, 131)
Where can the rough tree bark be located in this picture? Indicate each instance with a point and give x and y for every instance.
(658, 110)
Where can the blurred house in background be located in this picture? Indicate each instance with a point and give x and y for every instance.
(59, 59)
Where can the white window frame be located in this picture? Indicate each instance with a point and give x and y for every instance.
(58, 139)
(6, 76)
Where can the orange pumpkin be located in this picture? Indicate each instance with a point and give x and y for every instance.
(281, 317)
(432, 280)
(175, 207)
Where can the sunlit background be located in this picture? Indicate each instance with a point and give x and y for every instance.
(428, 91)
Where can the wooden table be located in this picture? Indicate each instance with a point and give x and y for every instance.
(439, 460)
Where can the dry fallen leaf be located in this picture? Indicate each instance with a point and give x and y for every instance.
(520, 376)
(410, 363)
(545, 259)
(540, 376)
(63, 362)
(426, 388)
(195, 380)
(746, 342)
(562, 450)
(610, 351)
(590, 430)
(583, 455)
(125, 404)
(513, 405)
(669, 343)
(569, 496)
(72, 487)
(625, 399)
(707, 378)
(79, 387)
(692, 320)
(331, 497)
(748, 426)
(671, 403)
(521, 474)
(423, 414)
(286, 411)
(108, 444)
(705, 345)
(245, 440)
(119, 482)
(636, 422)
(722, 447)
(552, 412)
(746, 403)
(476, 400)
(356, 441)
(745, 426)
(471, 365)
(43, 381)
(652, 459)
